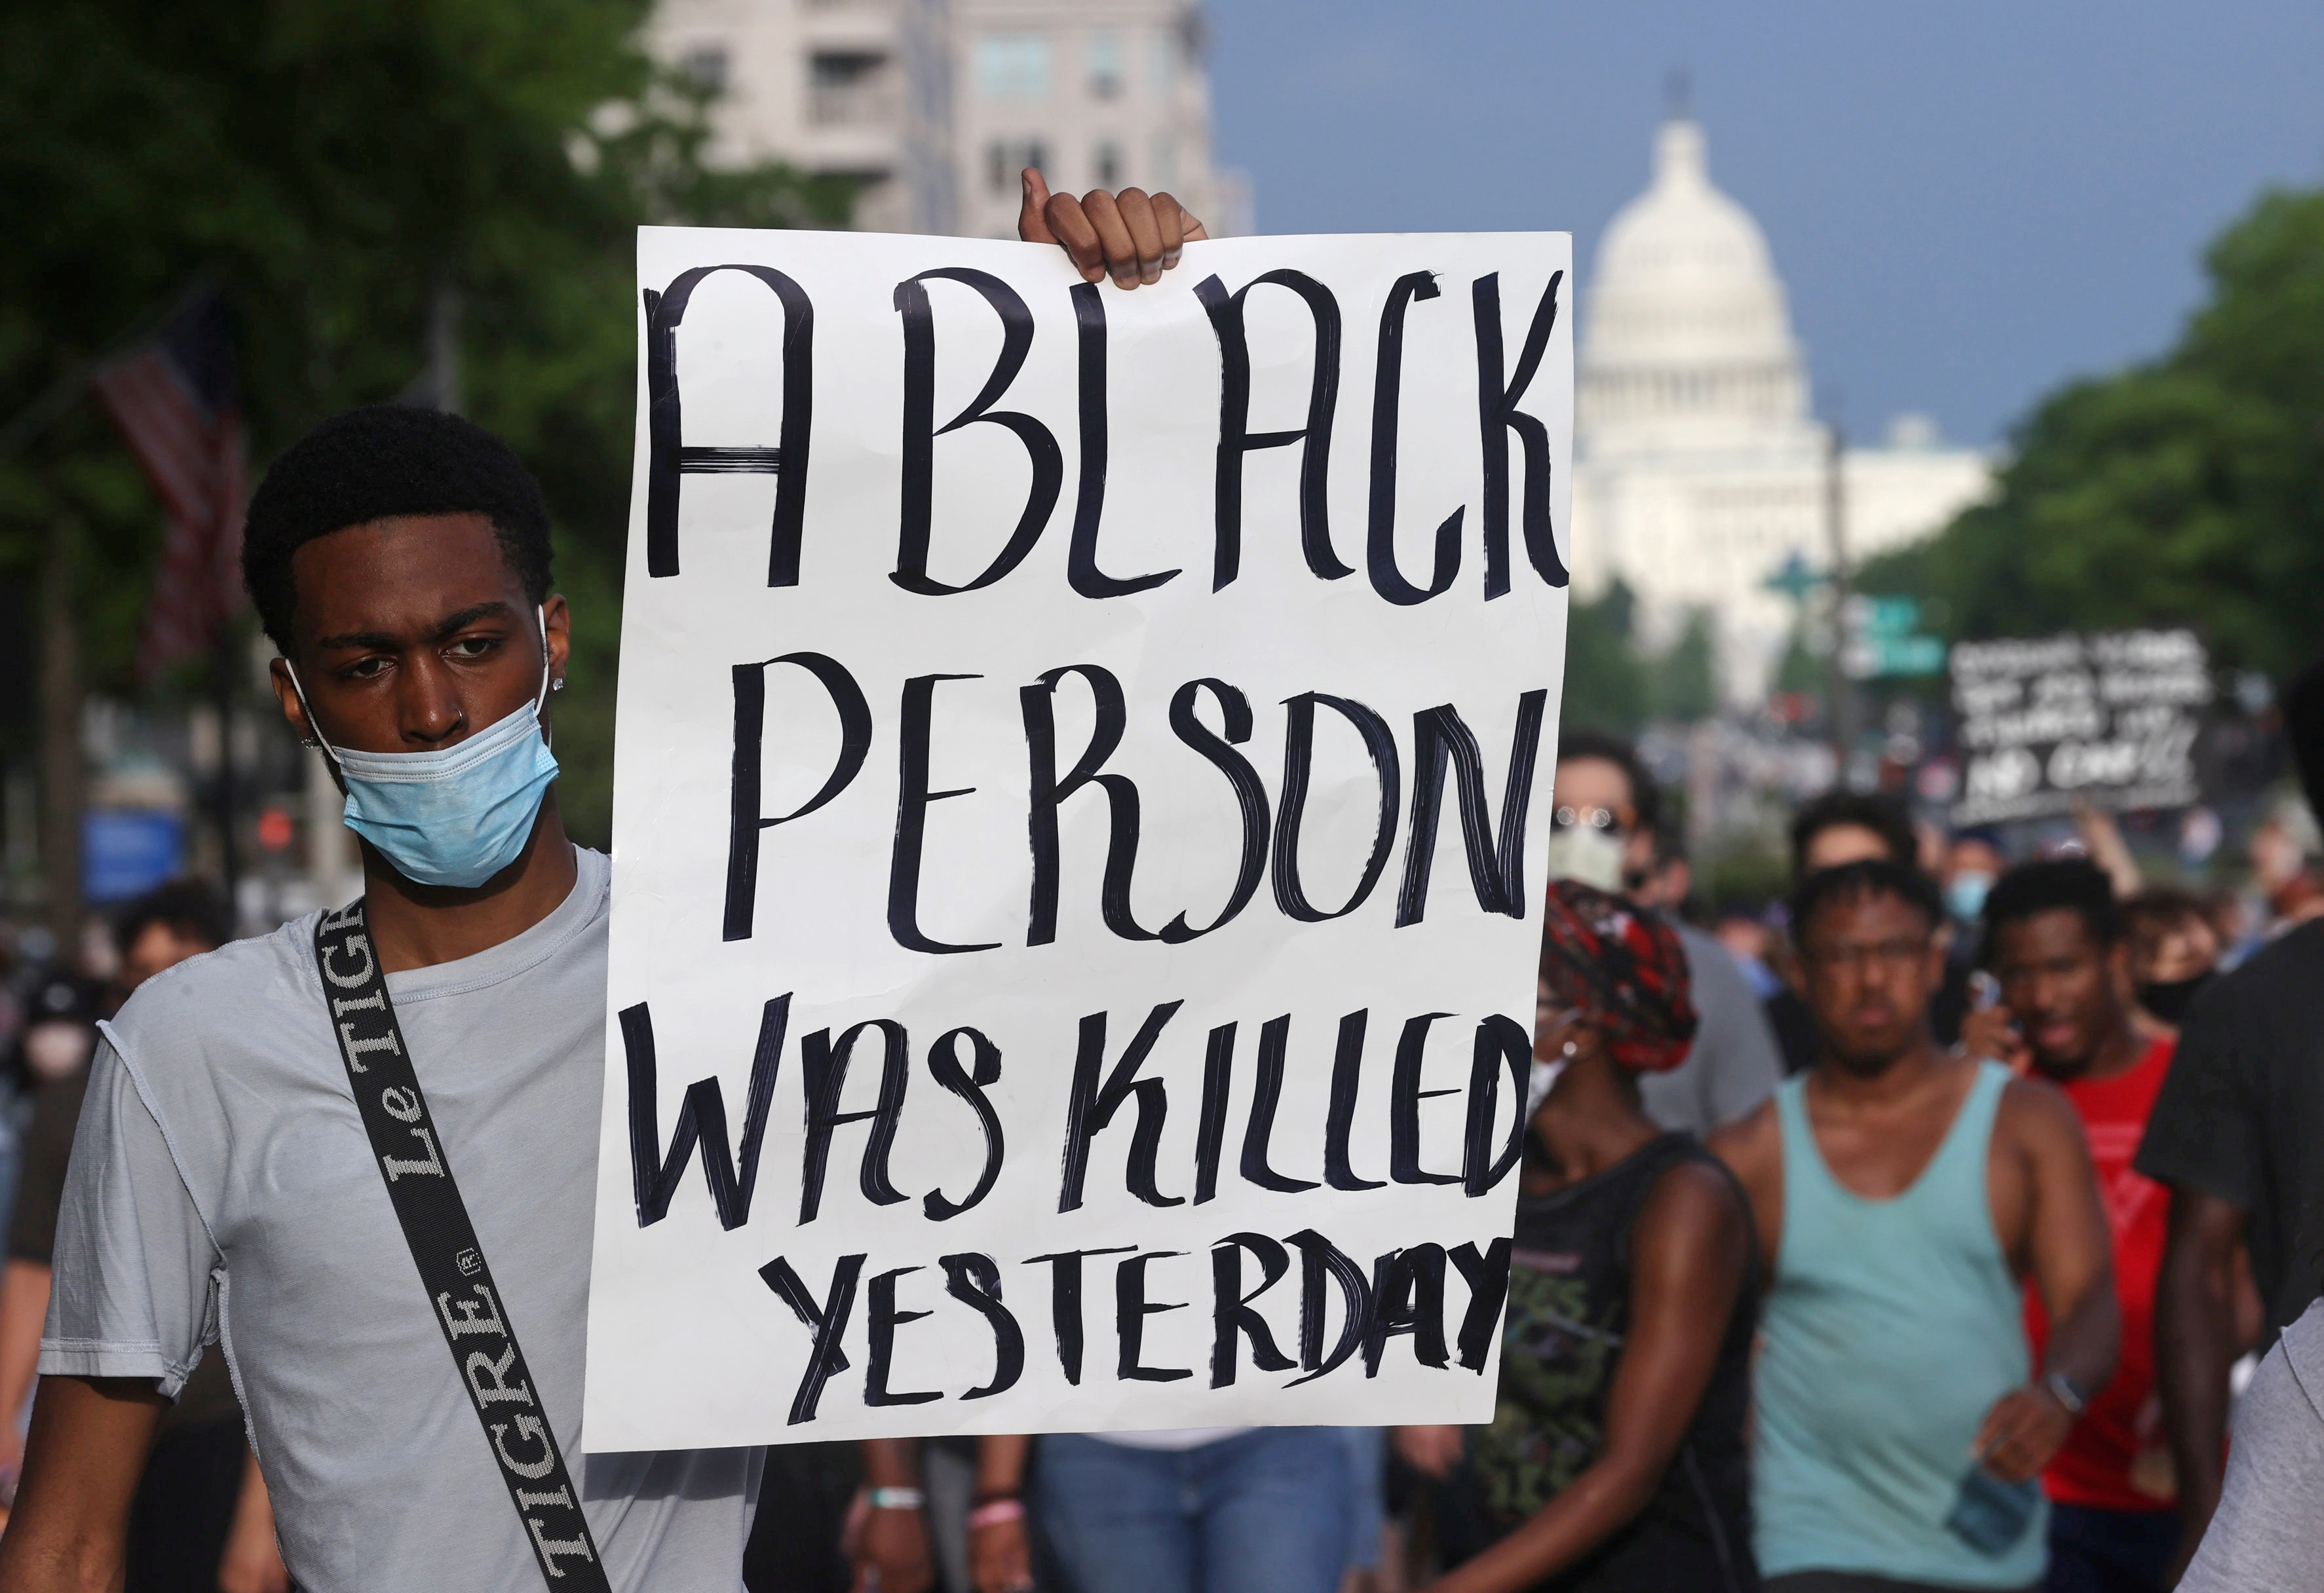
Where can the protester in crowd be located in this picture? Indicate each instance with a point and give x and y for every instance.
(1973, 864)
(2235, 1133)
(1185, 1510)
(400, 559)
(1902, 1195)
(2053, 936)
(1615, 1457)
(2262, 1537)
(48, 1062)
(1603, 821)
(1750, 938)
(2287, 860)
(1670, 876)
(2174, 952)
(1845, 826)
(200, 1516)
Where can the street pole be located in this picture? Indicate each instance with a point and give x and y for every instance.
(1844, 722)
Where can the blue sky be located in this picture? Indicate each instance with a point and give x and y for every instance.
(1970, 202)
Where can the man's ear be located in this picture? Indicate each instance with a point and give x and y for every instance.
(286, 697)
(556, 636)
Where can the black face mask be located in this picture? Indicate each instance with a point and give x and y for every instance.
(2169, 1001)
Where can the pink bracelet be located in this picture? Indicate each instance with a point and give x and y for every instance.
(995, 1513)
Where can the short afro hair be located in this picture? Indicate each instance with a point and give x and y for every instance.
(2068, 884)
(1885, 817)
(387, 460)
(1871, 876)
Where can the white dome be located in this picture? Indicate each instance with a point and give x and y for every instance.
(1688, 340)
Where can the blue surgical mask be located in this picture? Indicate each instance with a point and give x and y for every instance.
(1965, 895)
(455, 817)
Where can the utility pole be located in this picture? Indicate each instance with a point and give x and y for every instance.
(63, 780)
(1844, 718)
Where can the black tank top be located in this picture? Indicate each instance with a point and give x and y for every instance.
(1569, 1312)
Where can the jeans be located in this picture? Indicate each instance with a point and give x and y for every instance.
(1264, 1512)
(2094, 1550)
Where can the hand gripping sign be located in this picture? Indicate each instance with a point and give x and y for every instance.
(1081, 786)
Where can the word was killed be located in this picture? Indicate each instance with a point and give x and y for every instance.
(1107, 1077)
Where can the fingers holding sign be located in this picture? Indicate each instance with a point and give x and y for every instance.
(1133, 235)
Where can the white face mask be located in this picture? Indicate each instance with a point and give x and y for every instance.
(1586, 853)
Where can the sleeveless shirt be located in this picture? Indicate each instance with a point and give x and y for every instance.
(1892, 1328)
(1569, 1313)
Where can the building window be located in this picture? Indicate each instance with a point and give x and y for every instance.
(707, 65)
(1107, 163)
(1013, 66)
(1004, 158)
(1108, 71)
(848, 87)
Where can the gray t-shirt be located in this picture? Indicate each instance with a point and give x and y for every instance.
(222, 1190)
(1733, 1065)
(2264, 1538)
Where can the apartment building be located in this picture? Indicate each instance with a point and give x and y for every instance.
(935, 105)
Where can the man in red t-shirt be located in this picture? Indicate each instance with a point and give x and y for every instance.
(2053, 936)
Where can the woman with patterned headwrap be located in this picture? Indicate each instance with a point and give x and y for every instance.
(1614, 1459)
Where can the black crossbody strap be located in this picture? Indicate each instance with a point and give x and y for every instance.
(460, 1290)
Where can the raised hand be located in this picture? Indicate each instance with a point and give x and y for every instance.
(1133, 236)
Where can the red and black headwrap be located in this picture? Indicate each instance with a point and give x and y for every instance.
(1623, 971)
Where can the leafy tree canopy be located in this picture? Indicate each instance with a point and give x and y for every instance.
(331, 165)
(2189, 489)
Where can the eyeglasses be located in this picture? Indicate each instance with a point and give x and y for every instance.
(1895, 954)
(1595, 818)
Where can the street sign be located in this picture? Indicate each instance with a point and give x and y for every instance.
(1880, 639)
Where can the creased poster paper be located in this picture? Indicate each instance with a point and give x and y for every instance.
(1082, 781)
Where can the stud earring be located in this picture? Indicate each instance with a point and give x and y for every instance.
(312, 742)
(1571, 1049)
(557, 683)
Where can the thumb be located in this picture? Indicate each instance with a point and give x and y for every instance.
(1032, 224)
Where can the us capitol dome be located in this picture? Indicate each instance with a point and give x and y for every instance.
(1699, 470)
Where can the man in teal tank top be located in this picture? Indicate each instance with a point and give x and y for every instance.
(1903, 1196)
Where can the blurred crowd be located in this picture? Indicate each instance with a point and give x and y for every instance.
(1920, 1230)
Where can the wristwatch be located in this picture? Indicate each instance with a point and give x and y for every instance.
(2063, 1389)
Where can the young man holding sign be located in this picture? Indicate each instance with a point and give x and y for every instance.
(438, 1044)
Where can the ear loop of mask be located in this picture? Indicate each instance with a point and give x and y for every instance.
(321, 743)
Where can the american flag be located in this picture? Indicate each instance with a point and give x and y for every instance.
(174, 400)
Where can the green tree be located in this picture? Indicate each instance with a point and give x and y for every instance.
(2189, 490)
(1680, 684)
(344, 170)
(1605, 682)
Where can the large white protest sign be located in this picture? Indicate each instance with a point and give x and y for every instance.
(1081, 792)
